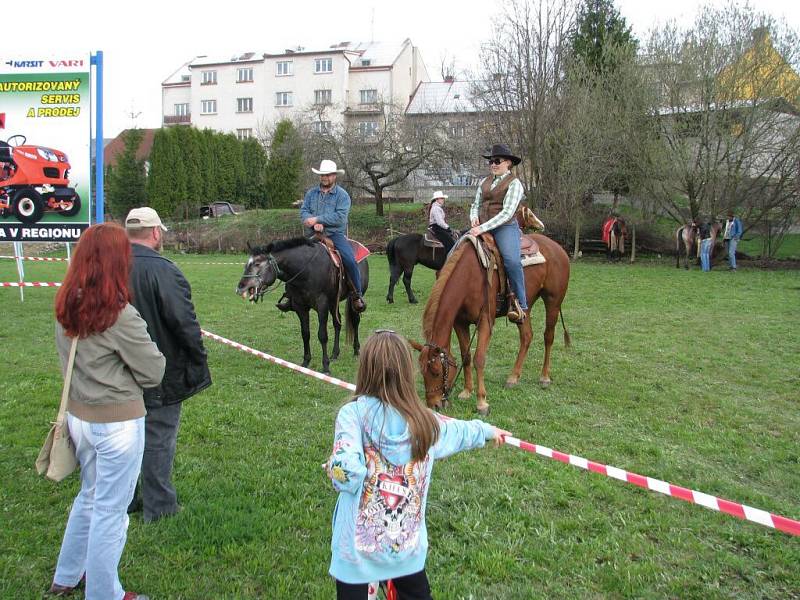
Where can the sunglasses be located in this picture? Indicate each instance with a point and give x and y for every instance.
(496, 161)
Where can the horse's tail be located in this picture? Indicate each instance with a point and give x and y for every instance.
(349, 322)
(567, 338)
(390, 252)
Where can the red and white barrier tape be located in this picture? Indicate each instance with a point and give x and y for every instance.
(735, 509)
(41, 258)
(240, 264)
(281, 362)
(30, 284)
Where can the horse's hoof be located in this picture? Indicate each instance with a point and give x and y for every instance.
(413, 301)
(464, 395)
(511, 382)
(306, 363)
(390, 300)
(544, 382)
(484, 411)
(445, 404)
(334, 356)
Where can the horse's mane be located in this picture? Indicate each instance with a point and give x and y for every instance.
(436, 293)
(280, 245)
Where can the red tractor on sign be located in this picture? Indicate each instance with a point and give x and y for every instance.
(34, 179)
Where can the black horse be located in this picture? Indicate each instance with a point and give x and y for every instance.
(403, 253)
(312, 281)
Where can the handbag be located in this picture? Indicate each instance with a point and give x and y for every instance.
(57, 458)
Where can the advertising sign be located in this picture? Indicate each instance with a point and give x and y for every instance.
(45, 136)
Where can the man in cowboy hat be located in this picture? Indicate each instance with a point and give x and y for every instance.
(325, 209)
(436, 222)
(495, 206)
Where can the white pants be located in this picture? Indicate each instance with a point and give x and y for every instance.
(110, 455)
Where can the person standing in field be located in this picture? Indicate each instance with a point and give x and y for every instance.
(385, 443)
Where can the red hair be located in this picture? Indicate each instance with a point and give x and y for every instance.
(96, 287)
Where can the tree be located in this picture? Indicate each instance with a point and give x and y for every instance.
(284, 167)
(727, 116)
(254, 157)
(602, 41)
(520, 84)
(381, 151)
(126, 182)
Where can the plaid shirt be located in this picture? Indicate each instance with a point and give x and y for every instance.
(514, 196)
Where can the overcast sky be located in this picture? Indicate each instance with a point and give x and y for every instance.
(144, 41)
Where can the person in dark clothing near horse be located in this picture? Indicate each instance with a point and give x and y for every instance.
(437, 223)
(325, 210)
(163, 297)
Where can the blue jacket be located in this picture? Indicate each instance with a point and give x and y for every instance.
(735, 231)
(379, 527)
(332, 209)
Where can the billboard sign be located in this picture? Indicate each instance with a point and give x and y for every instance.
(45, 137)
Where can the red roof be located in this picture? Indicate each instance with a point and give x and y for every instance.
(116, 147)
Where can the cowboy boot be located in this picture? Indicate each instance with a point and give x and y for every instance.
(515, 312)
(284, 304)
(355, 297)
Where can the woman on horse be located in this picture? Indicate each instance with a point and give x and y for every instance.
(436, 222)
(496, 202)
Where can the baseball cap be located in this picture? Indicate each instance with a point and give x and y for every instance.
(143, 217)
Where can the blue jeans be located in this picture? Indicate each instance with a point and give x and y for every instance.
(705, 254)
(507, 239)
(732, 243)
(110, 455)
(348, 258)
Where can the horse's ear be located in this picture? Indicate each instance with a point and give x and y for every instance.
(415, 345)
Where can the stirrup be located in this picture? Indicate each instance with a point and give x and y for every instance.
(515, 313)
(358, 302)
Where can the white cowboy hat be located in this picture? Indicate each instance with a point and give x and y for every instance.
(327, 167)
(438, 194)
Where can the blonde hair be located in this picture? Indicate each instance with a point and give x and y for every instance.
(386, 371)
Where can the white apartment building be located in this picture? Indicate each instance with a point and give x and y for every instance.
(245, 93)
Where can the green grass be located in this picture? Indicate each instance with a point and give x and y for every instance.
(688, 377)
(789, 248)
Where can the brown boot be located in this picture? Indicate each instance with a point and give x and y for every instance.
(515, 312)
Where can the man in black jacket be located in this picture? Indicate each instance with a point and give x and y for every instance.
(163, 297)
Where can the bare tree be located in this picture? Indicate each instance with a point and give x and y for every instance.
(381, 150)
(727, 116)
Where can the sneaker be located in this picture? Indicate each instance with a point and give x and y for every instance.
(135, 596)
(284, 305)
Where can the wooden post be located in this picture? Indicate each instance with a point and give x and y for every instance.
(633, 243)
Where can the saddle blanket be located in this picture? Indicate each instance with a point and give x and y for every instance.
(528, 259)
(360, 251)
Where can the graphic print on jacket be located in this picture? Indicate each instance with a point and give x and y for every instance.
(390, 511)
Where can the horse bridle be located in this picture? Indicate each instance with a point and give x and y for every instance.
(273, 264)
(446, 361)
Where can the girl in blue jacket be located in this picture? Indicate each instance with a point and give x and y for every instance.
(383, 451)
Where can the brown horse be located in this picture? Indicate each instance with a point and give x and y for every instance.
(464, 295)
(685, 242)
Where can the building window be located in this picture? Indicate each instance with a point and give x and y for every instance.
(245, 75)
(283, 67)
(457, 130)
(209, 78)
(368, 128)
(283, 99)
(323, 65)
(244, 105)
(244, 134)
(208, 107)
(321, 126)
(369, 96)
(365, 62)
(323, 96)
(182, 110)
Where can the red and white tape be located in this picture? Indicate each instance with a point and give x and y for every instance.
(40, 258)
(240, 264)
(735, 509)
(30, 284)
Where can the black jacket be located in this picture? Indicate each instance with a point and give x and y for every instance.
(163, 297)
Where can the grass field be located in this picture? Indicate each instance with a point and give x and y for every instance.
(688, 377)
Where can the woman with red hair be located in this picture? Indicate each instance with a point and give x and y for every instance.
(114, 359)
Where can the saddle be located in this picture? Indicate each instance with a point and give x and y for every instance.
(429, 240)
(491, 260)
(360, 251)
